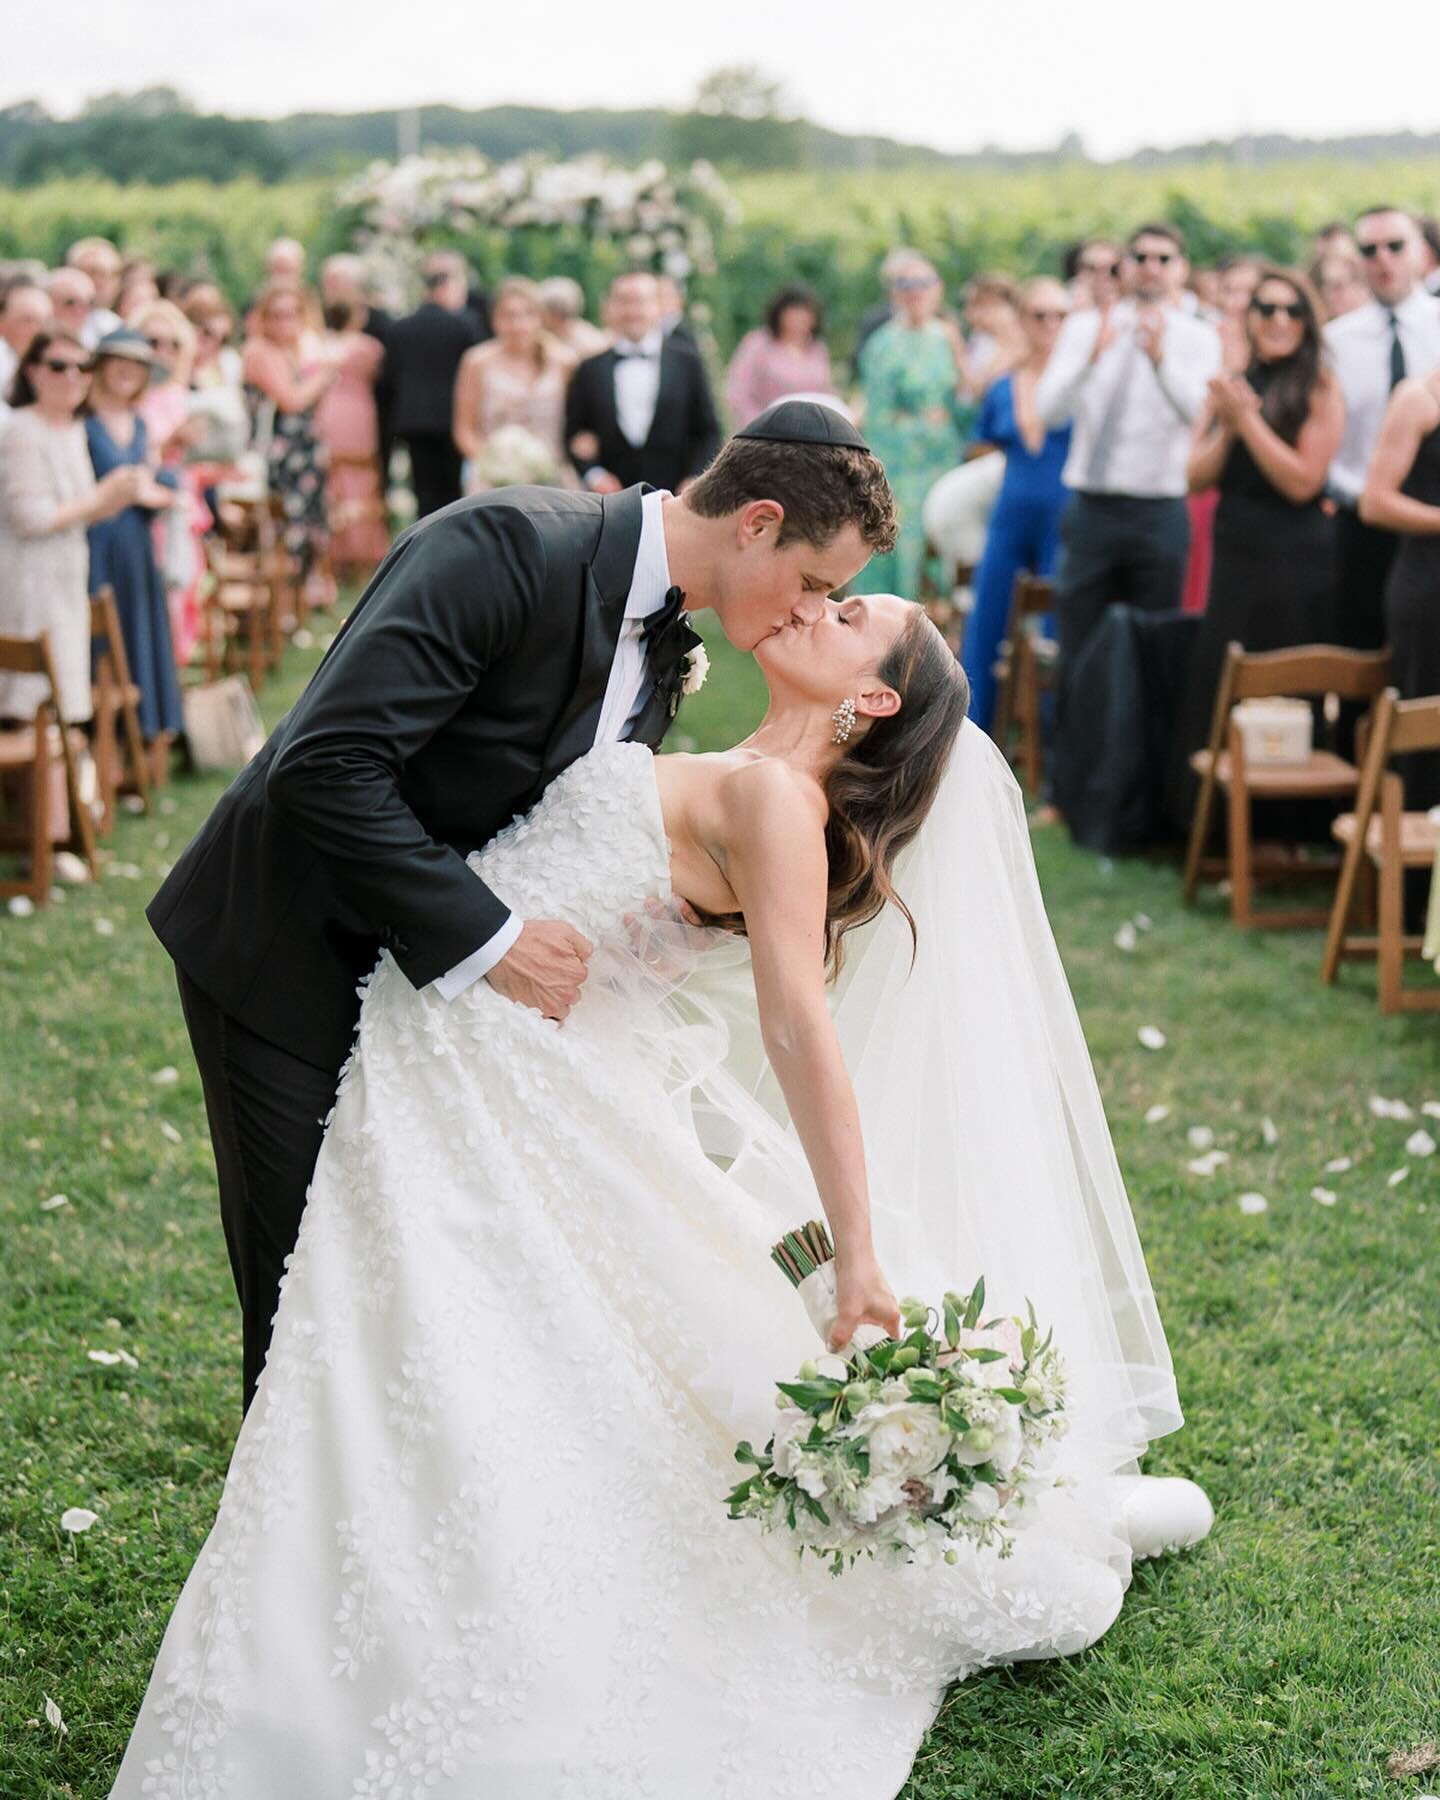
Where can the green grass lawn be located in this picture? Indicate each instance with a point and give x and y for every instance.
(1289, 1656)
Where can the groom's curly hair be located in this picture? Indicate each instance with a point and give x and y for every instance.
(822, 487)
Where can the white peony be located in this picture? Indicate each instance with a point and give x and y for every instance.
(982, 1502)
(792, 1428)
(905, 1439)
(697, 667)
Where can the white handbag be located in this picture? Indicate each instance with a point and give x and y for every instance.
(223, 727)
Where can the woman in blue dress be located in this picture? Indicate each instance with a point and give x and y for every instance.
(122, 550)
(1025, 526)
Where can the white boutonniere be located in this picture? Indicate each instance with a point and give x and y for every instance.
(696, 667)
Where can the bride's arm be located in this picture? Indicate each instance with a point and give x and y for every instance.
(774, 858)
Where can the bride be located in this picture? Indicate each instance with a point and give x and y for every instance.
(473, 1540)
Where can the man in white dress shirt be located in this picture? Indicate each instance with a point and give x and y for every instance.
(1131, 376)
(1397, 333)
(24, 311)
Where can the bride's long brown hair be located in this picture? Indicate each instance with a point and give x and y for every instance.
(880, 791)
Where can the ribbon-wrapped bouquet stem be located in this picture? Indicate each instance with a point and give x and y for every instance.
(904, 1447)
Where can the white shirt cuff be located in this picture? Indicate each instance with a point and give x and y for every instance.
(479, 962)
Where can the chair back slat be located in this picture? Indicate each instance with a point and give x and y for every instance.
(1307, 672)
(1415, 725)
(25, 656)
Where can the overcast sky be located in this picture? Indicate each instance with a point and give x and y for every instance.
(945, 72)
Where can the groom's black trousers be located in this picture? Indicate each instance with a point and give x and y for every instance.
(267, 1110)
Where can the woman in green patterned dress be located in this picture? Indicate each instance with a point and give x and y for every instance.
(910, 374)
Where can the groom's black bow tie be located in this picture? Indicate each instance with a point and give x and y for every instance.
(669, 638)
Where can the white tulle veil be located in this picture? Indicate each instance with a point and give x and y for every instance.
(986, 1140)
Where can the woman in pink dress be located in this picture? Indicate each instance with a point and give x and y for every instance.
(172, 431)
(509, 420)
(787, 355)
(347, 423)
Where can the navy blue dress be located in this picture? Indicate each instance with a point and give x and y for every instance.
(1024, 534)
(122, 556)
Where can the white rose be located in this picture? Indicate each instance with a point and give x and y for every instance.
(905, 1439)
(792, 1428)
(874, 1498)
(1009, 1445)
(697, 667)
(982, 1502)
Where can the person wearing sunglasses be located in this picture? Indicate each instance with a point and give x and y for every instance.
(1092, 273)
(48, 497)
(1132, 377)
(1264, 442)
(910, 374)
(1024, 530)
(1395, 335)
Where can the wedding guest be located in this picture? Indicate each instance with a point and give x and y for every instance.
(1024, 531)
(48, 497)
(1264, 442)
(217, 393)
(284, 385)
(344, 282)
(1339, 279)
(174, 432)
(1395, 334)
(1096, 277)
(72, 304)
(517, 379)
(562, 312)
(1132, 375)
(1334, 239)
(1430, 239)
(1402, 495)
(641, 410)
(1236, 279)
(996, 340)
(100, 260)
(24, 313)
(787, 355)
(285, 262)
(673, 321)
(137, 289)
(881, 313)
(122, 547)
(347, 423)
(422, 359)
(910, 376)
(1205, 286)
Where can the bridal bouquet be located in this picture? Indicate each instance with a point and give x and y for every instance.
(905, 1448)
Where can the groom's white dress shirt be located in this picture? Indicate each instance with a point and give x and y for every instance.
(625, 691)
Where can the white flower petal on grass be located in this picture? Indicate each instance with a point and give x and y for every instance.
(1252, 1203)
(1143, 922)
(1396, 1176)
(1156, 1113)
(167, 1130)
(132, 803)
(1431, 1109)
(20, 906)
(1323, 1196)
(1200, 1137)
(76, 1519)
(303, 639)
(104, 927)
(1125, 938)
(166, 1077)
(1152, 1037)
(1389, 1109)
(112, 1359)
(167, 805)
(1420, 1143)
(1207, 1164)
(127, 871)
(1339, 1165)
(54, 1718)
(1270, 1131)
(54, 1203)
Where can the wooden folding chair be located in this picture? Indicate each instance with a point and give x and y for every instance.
(116, 701)
(1311, 672)
(241, 633)
(29, 756)
(1380, 834)
(1024, 670)
(349, 512)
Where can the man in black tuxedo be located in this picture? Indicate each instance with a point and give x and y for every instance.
(641, 410)
(497, 642)
(422, 355)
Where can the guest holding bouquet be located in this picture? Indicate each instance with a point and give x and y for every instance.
(787, 355)
(514, 384)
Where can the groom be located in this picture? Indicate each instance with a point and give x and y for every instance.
(498, 641)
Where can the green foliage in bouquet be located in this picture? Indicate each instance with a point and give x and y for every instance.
(911, 1447)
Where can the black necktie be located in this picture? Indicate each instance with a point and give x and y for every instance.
(668, 638)
(1397, 353)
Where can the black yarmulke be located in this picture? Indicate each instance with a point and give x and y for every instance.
(803, 422)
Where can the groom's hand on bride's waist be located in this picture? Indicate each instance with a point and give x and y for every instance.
(545, 967)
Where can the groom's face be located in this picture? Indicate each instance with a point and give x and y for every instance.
(770, 587)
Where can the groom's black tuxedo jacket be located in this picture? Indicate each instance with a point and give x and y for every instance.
(470, 673)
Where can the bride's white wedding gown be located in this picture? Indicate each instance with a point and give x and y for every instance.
(473, 1545)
